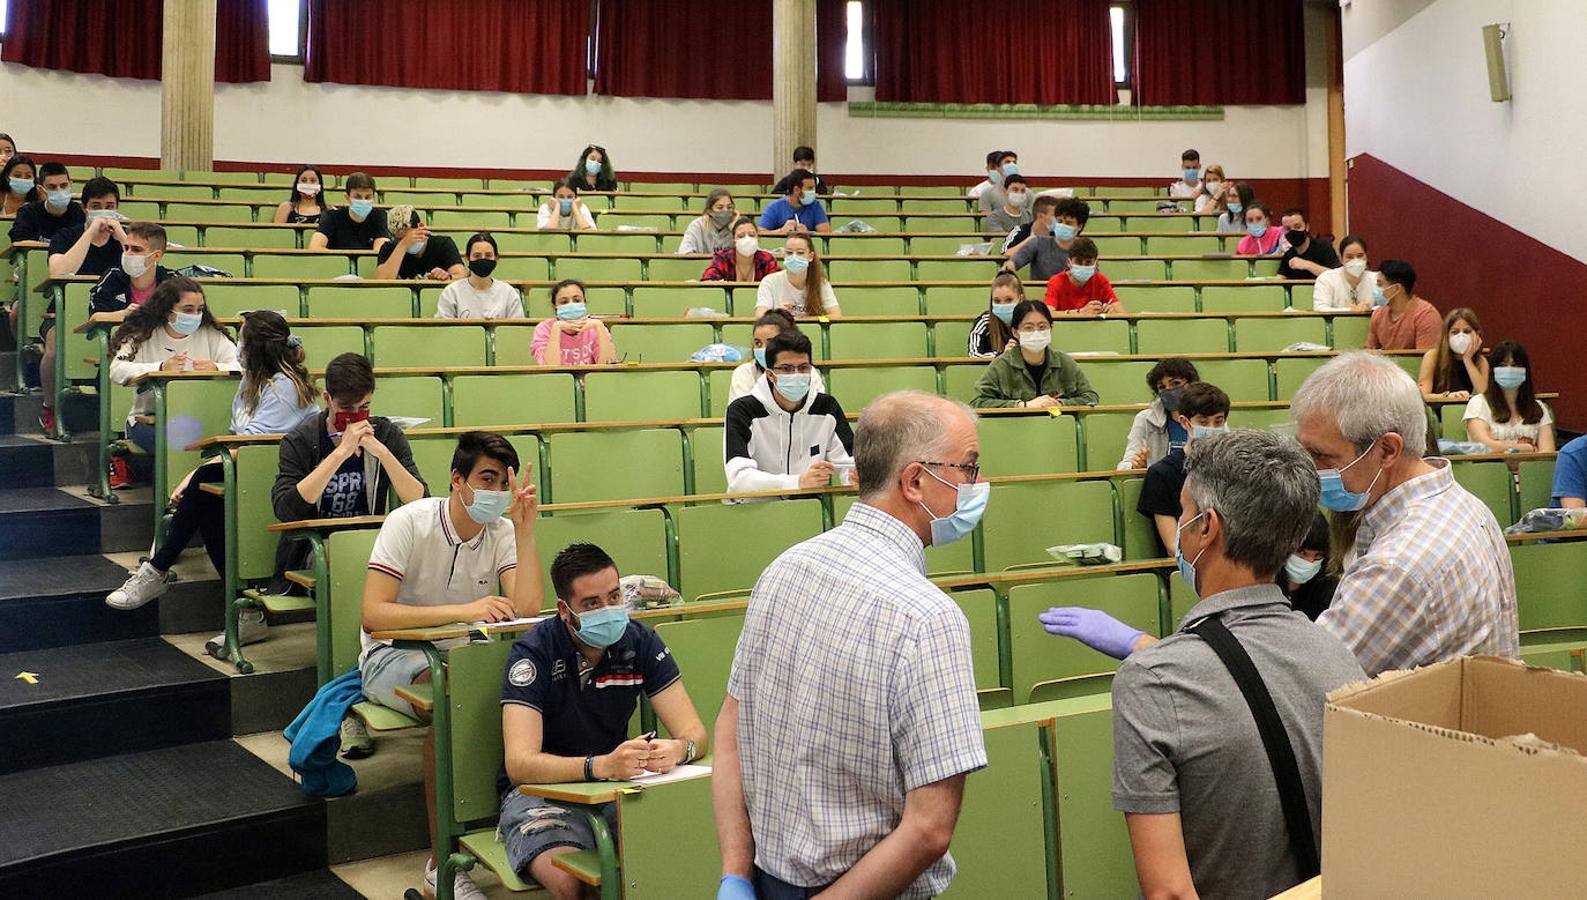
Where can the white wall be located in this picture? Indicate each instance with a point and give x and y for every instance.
(1416, 97)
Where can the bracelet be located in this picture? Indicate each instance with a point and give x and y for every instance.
(589, 768)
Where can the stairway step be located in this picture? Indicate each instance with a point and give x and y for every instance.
(46, 522)
(172, 822)
(27, 462)
(60, 601)
(98, 700)
(320, 884)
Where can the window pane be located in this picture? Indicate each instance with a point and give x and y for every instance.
(283, 27)
(1116, 14)
(3, 5)
(854, 51)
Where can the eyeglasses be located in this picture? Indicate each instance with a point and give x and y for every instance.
(972, 471)
(805, 369)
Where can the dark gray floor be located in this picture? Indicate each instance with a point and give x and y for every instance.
(317, 885)
(97, 670)
(57, 576)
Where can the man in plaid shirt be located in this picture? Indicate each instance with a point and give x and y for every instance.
(851, 718)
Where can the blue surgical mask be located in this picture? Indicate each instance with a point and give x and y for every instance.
(1082, 274)
(21, 185)
(760, 357)
(796, 265)
(592, 166)
(361, 207)
(1010, 169)
(1256, 229)
(1004, 311)
(1187, 567)
(1301, 570)
(1063, 231)
(1197, 432)
(186, 323)
(1192, 174)
(967, 511)
(416, 249)
(603, 627)
(994, 176)
(793, 388)
(572, 312)
(488, 505)
(1334, 495)
(1235, 206)
(565, 204)
(1509, 377)
(59, 199)
(92, 214)
(1378, 297)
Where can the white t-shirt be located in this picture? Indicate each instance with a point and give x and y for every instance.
(1332, 290)
(418, 547)
(1514, 430)
(133, 360)
(460, 300)
(582, 212)
(775, 290)
(1179, 190)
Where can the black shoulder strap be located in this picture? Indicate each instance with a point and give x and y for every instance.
(1275, 739)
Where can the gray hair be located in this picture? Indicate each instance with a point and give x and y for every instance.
(398, 217)
(897, 429)
(1368, 395)
(1263, 485)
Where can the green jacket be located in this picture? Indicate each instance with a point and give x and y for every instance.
(1006, 382)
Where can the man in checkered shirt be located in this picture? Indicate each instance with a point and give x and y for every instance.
(851, 718)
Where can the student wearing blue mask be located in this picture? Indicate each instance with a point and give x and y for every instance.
(1080, 289)
(992, 333)
(771, 323)
(449, 559)
(413, 252)
(1203, 410)
(19, 179)
(555, 729)
(1507, 417)
(40, 219)
(801, 286)
(356, 226)
(573, 337)
(1263, 237)
(1156, 429)
(1231, 207)
(1000, 164)
(1044, 243)
(564, 210)
(799, 211)
(593, 171)
(1308, 579)
(1188, 185)
(786, 435)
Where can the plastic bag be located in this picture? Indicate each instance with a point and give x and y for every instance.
(717, 353)
(648, 592)
(1460, 448)
(1542, 521)
(1087, 554)
(855, 226)
(704, 312)
(1307, 347)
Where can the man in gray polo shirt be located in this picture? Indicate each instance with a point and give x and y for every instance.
(1189, 769)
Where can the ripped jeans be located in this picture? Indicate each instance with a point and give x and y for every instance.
(530, 826)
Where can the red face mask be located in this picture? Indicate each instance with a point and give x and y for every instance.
(340, 421)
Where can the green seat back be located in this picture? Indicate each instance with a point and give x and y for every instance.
(970, 300)
(757, 533)
(995, 829)
(943, 224)
(1291, 373)
(347, 558)
(855, 207)
(1110, 247)
(703, 649)
(1038, 656)
(1548, 579)
(636, 539)
(1350, 332)
(1172, 337)
(418, 396)
(1248, 298)
(300, 266)
(1536, 477)
(208, 212)
(174, 191)
(251, 238)
(1091, 335)
(1264, 335)
(475, 674)
(523, 268)
(938, 245)
(682, 268)
(877, 340)
(1161, 223)
(1094, 843)
(227, 300)
(1210, 269)
(673, 302)
(865, 245)
(881, 301)
(621, 270)
(194, 409)
(1143, 299)
(637, 396)
(1134, 269)
(1241, 379)
(1490, 482)
(1161, 245)
(1027, 445)
(1452, 419)
(605, 465)
(862, 270)
(980, 608)
(1024, 518)
(1116, 381)
(661, 343)
(1106, 436)
(951, 339)
(652, 861)
(322, 343)
(1104, 224)
(453, 344)
(710, 474)
(533, 242)
(430, 181)
(1140, 533)
(257, 465)
(977, 269)
(386, 302)
(226, 262)
(143, 211)
(858, 386)
(485, 400)
(616, 243)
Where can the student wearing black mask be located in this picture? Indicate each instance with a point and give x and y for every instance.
(1154, 431)
(1305, 258)
(479, 296)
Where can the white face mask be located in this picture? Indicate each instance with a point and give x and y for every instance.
(307, 189)
(1460, 343)
(747, 245)
(1356, 267)
(133, 264)
(1035, 341)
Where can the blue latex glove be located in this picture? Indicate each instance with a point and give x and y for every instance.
(1092, 627)
(735, 888)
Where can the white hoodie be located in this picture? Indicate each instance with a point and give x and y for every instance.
(766, 448)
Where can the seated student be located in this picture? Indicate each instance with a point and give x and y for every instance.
(554, 730)
(133, 281)
(1307, 256)
(1203, 410)
(1507, 415)
(93, 247)
(1306, 579)
(1213, 186)
(1156, 429)
(744, 260)
(1000, 164)
(413, 252)
(356, 226)
(302, 206)
(276, 393)
(437, 561)
(1400, 320)
(1033, 375)
(771, 323)
(1188, 185)
(992, 334)
(574, 337)
(713, 230)
(1044, 243)
(1080, 290)
(1014, 211)
(1231, 208)
(797, 211)
(786, 435)
(593, 171)
(1348, 287)
(563, 210)
(801, 287)
(480, 296)
(8, 147)
(1261, 238)
(804, 158)
(20, 179)
(172, 331)
(1455, 368)
(1570, 475)
(42, 219)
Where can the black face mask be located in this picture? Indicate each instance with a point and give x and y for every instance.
(1296, 238)
(482, 267)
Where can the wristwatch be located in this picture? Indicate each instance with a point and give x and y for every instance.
(690, 755)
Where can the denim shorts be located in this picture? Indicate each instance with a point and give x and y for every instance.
(385, 669)
(532, 825)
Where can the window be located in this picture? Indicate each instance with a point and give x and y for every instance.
(855, 68)
(287, 24)
(1122, 18)
(3, 5)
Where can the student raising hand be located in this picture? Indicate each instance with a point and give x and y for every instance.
(525, 500)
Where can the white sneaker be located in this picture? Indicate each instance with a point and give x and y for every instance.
(142, 585)
(251, 629)
(356, 742)
(463, 887)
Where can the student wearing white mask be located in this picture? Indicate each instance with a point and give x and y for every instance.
(304, 205)
(1033, 375)
(1455, 368)
(1348, 287)
(1015, 210)
(713, 230)
(1213, 186)
(1508, 417)
(133, 281)
(743, 260)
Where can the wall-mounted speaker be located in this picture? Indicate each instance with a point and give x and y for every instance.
(1493, 47)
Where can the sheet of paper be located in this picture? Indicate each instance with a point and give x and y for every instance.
(681, 773)
(508, 623)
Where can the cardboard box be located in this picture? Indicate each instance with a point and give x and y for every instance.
(1427, 792)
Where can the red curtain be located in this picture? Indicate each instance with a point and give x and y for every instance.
(1230, 52)
(949, 51)
(521, 46)
(729, 56)
(122, 38)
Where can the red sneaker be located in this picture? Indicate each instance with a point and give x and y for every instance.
(120, 473)
(47, 419)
